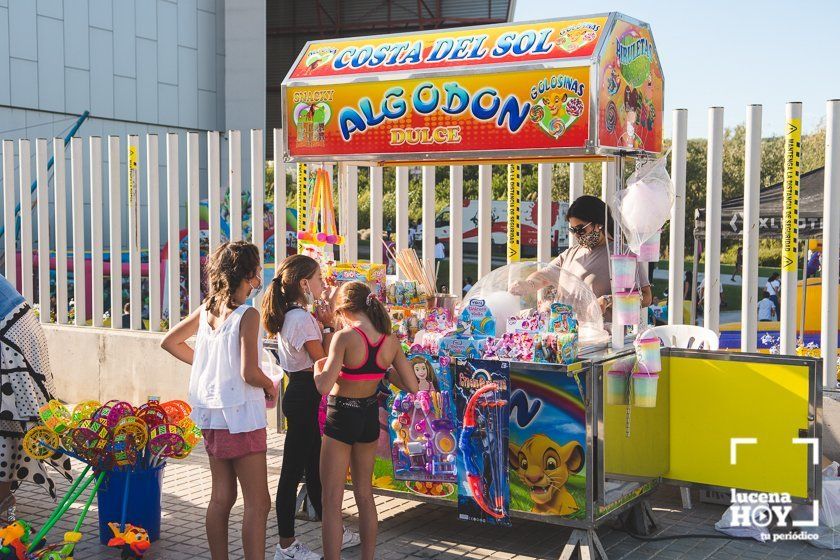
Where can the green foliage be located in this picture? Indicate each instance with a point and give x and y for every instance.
(772, 171)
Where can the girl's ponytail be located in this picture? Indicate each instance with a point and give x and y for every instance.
(274, 307)
(285, 291)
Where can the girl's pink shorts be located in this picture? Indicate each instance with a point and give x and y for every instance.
(221, 444)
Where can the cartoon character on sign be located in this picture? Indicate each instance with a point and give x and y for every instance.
(311, 120)
(544, 466)
(318, 57)
(425, 373)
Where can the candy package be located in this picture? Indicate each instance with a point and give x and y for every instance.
(478, 319)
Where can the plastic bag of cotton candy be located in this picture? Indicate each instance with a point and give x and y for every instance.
(645, 205)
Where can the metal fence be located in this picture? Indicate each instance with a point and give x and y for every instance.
(162, 215)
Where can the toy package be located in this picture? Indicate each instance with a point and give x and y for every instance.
(422, 426)
(555, 348)
(459, 346)
(404, 294)
(533, 322)
(477, 318)
(368, 273)
(481, 397)
(562, 319)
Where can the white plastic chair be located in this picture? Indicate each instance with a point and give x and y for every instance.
(684, 336)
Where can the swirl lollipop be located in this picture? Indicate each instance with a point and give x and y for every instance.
(84, 410)
(166, 440)
(176, 410)
(112, 412)
(124, 450)
(40, 442)
(133, 426)
(90, 440)
(56, 416)
(152, 413)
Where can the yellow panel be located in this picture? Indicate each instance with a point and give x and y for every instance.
(715, 400)
(646, 451)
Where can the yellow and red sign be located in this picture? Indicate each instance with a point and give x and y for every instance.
(521, 43)
(630, 100)
(536, 109)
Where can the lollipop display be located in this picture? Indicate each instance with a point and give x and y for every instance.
(108, 438)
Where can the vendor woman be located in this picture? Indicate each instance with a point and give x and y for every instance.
(589, 260)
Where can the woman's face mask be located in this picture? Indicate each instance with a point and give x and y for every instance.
(589, 240)
(255, 290)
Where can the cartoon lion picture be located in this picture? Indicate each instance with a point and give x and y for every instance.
(544, 466)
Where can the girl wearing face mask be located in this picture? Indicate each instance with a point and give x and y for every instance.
(227, 393)
(303, 337)
(589, 259)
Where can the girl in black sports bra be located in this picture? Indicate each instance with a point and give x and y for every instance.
(360, 356)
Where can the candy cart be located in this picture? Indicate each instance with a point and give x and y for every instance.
(582, 441)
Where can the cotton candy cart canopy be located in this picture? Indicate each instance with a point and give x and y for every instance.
(572, 88)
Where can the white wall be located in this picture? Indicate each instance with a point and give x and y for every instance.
(158, 62)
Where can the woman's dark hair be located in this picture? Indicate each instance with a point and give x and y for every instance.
(590, 209)
(228, 266)
(774, 276)
(284, 290)
(355, 297)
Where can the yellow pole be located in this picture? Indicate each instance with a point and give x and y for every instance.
(514, 239)
(301, 201)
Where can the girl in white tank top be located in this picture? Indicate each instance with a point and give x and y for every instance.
(227, 393)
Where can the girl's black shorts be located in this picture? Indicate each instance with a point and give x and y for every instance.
(352, 420)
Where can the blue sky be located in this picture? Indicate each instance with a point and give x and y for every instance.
(732, 53)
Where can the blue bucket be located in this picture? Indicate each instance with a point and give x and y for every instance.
(144, 501)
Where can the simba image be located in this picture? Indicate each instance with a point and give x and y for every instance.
(544, 466)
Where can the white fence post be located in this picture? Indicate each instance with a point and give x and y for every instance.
(43, 194)
(428, 212)
(235, 182)
(485, 227)
(25, 174)
(608, 182)
(575, 181)
(456, 230)
(749, 268)
(9, 234)
(376, 173)
(214, 189)
(352, 230)
(831, 243)
(544, 200)
(714, 180)
(173, 219)
(97, 307)
(401, 201)
(790, 234)
(59, 173)
(193, 234)
(279, 200)
(77, 165)
(115, 230)
(257, 191)
(676, 253)
(153, 194)
(134, 271)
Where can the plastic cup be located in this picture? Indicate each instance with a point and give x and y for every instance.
(644, 389)
(626, 307)
(624, 272)
(649, 250)
(617, 387)
(648, 355)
